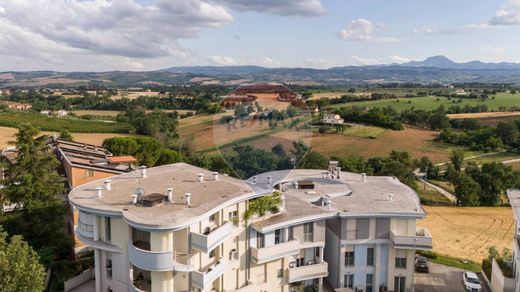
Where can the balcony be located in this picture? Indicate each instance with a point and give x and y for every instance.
(201, 279)
(308, 272)
(265, 254)
(182, 262)
(150, 260)
(421, 241)
(208, 241)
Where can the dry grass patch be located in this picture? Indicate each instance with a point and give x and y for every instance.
(482, 115)
(96, 113)
(468, 232)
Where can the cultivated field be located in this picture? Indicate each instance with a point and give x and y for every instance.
(482, 115)
(270, 101)
(110, 113)
(502, 100)
(467, 233)
(7, 134)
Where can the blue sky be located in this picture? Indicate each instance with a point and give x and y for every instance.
(144, 35)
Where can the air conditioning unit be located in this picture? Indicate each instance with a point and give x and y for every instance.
(292, 265)
(233, 254)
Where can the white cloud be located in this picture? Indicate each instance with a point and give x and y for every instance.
(508, 14)
(359, 30)
(318, 63)
(426, 29)
(399, 59)
(366, 61)
(221, 60)
(278, 7)
(266, 61)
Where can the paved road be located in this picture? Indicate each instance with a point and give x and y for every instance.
(442, 279)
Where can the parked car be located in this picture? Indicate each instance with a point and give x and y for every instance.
(471, 282)
(421, 264)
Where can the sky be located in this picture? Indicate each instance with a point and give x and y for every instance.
(103, 35)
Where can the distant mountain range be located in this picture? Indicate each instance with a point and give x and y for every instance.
(437, 69)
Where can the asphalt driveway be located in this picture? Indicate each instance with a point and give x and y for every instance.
(442, 279)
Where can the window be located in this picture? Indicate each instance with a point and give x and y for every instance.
(259, 240)
(308, 230)
(349, 258)
(212, 218)
(277, 236)
(399, 284)
(400, 263)
(370, 283)
(109, 268)
(317, 252)
(211, 254)
(280, 273)
(89, 173)
(349, 281)
(370, 256)
(233, 217)
(291, 233)
(108, 229)
(300, 262)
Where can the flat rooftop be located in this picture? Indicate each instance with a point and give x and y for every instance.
(514, 200)
(181, 177)
(349, 196)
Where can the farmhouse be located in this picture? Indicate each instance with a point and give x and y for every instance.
(183, 228)
(16, 105)
(332, 119)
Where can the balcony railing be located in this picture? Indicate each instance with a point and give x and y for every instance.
(273, 252)
(201, 279)
(308, 272)
(422, 240)
(207, 242)
(150, 260)
(182, 262)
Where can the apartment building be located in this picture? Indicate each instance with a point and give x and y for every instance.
(83, 163)
(500, 282)
(182, 228)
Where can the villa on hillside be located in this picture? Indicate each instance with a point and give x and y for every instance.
(332, 119)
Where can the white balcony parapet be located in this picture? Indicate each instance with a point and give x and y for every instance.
(182, 262)
(207, 242)
(421, 241)
(273, 252)
(308, 272)
(157, 261)
(201, 279)
(133, 288)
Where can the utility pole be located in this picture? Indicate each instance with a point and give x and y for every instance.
(425, 177)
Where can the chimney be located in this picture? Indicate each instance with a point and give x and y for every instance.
(99, 191)
(338, 174)
(187, 198)
(269, 179)
(169, 194)
(295, 184)
(324, 174)
(200, 177)
(134, 199)
(363, 177)
(143, 171)
(215, 176)
(108, 184)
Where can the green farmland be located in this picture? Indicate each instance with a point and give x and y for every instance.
(501, 100)
(48, 123)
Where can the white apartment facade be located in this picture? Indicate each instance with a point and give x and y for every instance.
(181, 228)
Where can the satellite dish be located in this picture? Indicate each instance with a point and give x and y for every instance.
(139, 192)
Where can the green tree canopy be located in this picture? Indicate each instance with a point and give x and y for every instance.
(20, 269)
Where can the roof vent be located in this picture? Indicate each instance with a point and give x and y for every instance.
(338, 172)
(363, 177)
(215, 176)
(391, 197)
(295, 184)
(200, 177)
(269, 179)
(143, 171)
(134, 199)
(108, 184)
(325, 201)
(169, 195)
(99, 192)
(254, 179)
(187, 199)
(325, 174)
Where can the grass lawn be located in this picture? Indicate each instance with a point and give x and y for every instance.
(443, 184)
(432, 197)
(452, 262)
(506, 100)
(48, 123)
